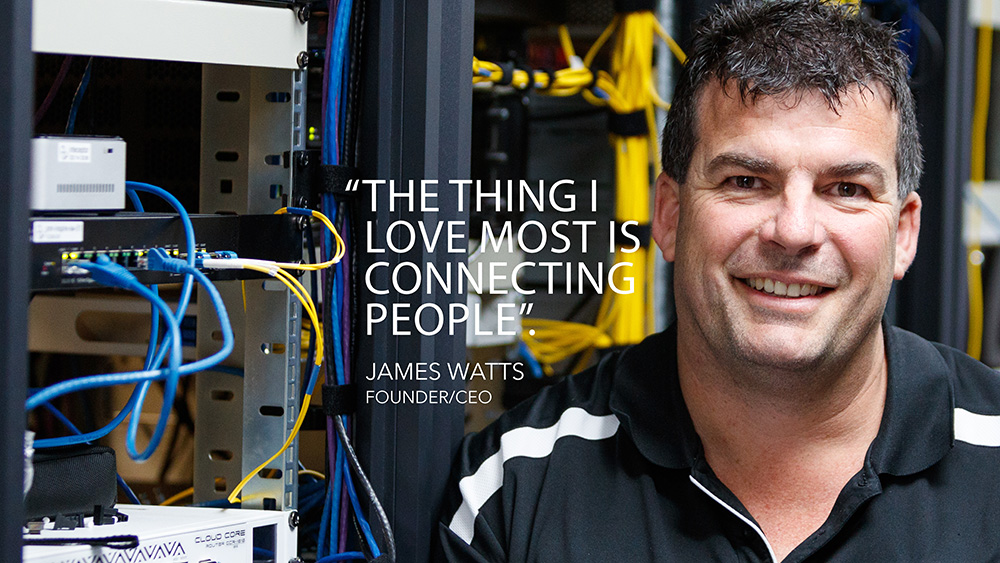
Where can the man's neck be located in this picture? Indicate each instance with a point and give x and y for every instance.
(785, 444)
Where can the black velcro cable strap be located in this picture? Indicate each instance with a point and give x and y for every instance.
(384, 558)
(626, 6)
(628, 124)
(335, 179)
(506, 74)
(111, 542)
(340, 399)
(642, 232)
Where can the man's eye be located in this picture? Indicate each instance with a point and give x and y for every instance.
(847, 189)
(744, 182)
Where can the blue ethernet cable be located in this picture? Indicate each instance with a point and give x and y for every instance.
(69, 424)
(153, 360)
(108, 273)
(346, 556)
(94, 381)
(154, 325)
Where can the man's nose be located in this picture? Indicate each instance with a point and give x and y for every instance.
(794, 226)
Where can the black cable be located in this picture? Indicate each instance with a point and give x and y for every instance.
(113, 542)
(934, 45)
(354, 72)
(81, 89)
(991, 316)
(352, 458)
(354, 281)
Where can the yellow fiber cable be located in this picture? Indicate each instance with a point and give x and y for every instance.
(978, 176)
(566, 43)
(674, 47)
(629, 87)
(338, 254)
(601, 40)
(179, 496)
(313, 473)
(303, 296)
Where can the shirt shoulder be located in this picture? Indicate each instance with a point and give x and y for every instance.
(495, 469)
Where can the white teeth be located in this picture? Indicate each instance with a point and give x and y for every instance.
(781, 289)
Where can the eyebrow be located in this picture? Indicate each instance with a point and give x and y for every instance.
(851, 169)
(744, 161)
(762, 166)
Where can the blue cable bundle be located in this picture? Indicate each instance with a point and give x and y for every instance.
(95, 381)
(107, 273)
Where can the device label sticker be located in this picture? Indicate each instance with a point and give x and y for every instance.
(56, 231)
(74, 152)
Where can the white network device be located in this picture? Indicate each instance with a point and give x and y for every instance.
(178, 534)
(73, 173)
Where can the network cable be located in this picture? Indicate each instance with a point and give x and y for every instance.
(73, 428)
(628, 91)
(96, 381)
(155, 355)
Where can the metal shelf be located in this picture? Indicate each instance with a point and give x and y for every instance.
(197, 31)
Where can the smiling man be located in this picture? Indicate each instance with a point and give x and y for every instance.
(780, 418)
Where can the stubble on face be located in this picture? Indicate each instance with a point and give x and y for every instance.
(787, 227)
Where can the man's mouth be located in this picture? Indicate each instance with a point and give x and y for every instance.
(781, 289)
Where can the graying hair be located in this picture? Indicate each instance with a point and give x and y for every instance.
(792, 46)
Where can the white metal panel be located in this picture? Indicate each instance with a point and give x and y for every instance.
(984, 12)
(199, 31)
(169, 534)
(981, 220)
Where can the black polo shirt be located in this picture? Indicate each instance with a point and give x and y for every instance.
(606, 466)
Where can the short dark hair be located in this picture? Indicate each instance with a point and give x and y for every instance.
(792, 46)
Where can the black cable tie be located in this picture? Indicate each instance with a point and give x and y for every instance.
(340, 399)
(337, 179)
(643, 232)
(628, 6)
(506, 74)
(530, 82)
(112, 542)
(628, 124)
(552, 78)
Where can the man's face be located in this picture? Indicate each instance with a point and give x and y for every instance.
(788, 231)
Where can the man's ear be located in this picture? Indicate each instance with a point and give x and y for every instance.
(665, 214)
(906, 234)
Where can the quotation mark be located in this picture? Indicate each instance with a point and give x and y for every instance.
(526, 308)
(352, 185)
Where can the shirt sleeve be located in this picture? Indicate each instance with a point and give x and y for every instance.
(457, 541)
(454, 549)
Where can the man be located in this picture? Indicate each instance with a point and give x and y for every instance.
(779, 418)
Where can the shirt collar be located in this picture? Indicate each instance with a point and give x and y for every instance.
(918, 421)
(915, 433)
(646, 397)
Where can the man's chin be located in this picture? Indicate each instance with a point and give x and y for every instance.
(780, 353)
